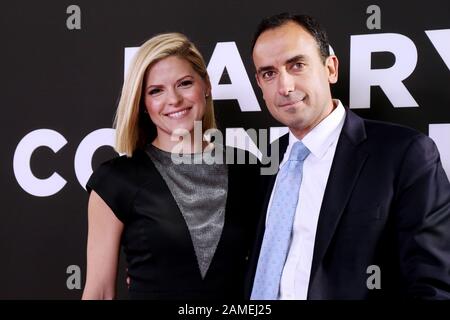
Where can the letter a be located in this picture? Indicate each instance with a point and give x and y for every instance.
(374, 281)
(74, 280)
(74, 20)
(374, 21)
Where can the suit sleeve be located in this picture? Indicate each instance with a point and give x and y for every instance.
(423, 222)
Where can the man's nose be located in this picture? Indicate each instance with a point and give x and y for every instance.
(286, 84)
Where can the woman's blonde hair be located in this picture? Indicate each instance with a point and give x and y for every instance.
(134, 129)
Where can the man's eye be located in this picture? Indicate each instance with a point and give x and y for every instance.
(268, 74)
(298, 66)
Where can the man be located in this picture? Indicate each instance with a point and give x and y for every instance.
(362, 209)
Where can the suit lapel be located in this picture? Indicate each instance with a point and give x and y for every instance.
(348, 161)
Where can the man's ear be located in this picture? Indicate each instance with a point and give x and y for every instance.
(332, 65)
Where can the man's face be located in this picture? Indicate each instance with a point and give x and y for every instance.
(293, 78)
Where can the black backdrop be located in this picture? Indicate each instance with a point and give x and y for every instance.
(69, 81)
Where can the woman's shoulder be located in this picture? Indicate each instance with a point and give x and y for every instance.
(120, 170)
(123, 163)
(117, 181)
(117, 164)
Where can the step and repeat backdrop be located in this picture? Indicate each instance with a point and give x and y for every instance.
(62, 68)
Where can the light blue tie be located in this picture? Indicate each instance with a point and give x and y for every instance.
(277, 235)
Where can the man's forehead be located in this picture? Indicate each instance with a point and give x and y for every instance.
(281, 54)
(281, 44)
(287, 31)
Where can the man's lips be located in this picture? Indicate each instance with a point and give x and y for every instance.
(290, 103)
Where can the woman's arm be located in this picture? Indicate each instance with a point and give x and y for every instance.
(103, 247)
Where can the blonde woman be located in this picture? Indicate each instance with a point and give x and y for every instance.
(185, 228)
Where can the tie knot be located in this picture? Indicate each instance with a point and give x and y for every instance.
(299, 152)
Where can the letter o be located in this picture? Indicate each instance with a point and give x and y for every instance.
(86, 150)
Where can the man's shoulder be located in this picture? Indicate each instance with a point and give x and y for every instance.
(390, 132)
(393, 138)
(377, 126)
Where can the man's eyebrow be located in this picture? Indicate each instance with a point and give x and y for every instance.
(262, 69)
(296, 58)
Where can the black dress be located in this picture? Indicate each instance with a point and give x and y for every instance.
(159, 251)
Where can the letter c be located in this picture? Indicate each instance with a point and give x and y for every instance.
(21, 163)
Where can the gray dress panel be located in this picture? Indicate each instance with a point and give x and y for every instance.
(200, 191)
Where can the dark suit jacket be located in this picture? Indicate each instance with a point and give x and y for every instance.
(386, 203)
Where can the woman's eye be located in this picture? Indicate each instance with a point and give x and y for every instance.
(154, 91)
(185, 83)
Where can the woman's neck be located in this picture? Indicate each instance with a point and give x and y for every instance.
(186, 145)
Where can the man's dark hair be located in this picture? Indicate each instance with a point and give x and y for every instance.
(310, 24)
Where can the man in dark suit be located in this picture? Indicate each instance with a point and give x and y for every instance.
(364, 205)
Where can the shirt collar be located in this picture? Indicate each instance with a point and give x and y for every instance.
(322, 136)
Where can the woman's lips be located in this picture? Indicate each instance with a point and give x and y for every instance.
(178, 114)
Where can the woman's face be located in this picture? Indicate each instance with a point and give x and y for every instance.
(174, 96)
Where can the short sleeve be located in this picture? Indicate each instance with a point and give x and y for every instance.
(112, 181)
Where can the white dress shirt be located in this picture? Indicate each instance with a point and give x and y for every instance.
(321, 141)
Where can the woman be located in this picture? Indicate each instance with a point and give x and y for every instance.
(185, 228)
